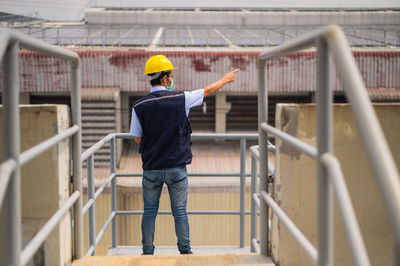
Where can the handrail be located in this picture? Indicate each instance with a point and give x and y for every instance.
(332, 39)
(296, 143)
(38, 149)
(10, 43)
(256, 154)
(188, 212)
(189, 174)
(92, 196)
(8, 36)
(7, 167)
(346, 209)
(98, 145)
(293, 229)
(41, 236)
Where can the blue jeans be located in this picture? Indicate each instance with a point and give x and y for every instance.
(177, 182)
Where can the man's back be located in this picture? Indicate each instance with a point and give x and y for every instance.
(166, 130)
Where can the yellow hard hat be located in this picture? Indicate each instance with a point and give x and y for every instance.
(157, 63)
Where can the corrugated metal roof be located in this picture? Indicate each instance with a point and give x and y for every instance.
(384, 94)
(124, 70)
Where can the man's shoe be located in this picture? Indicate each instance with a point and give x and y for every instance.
(186, 252)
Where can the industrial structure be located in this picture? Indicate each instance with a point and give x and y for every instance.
(98, 71)
(270, 245)
(113, 45)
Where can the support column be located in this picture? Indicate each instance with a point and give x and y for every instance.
(242, 190)
(263, 148)
(324, 144)
(221, 109)
(113, 168)
(11, 213)
(76, 156)
(125, 113)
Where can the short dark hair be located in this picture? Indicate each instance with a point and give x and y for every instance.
(157, 81)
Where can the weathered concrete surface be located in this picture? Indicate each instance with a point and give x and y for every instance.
(295, 188)
(173, 250)
(45, 180)
(186, 260)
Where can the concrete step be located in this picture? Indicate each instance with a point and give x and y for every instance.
(177, 260)
(172, 250)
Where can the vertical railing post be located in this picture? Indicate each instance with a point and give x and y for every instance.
(324, 143)
(11, 218)
(76, 156)
(91, 193)
(253, 228)
(263, 147)
(113, 194)
(242, 190)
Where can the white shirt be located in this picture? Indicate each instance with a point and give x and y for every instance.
(192, 99)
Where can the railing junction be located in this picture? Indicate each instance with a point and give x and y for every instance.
(10, 169)
(328, 41)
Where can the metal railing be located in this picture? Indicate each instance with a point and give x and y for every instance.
(93, 195)
(10, 177)
(328, 41)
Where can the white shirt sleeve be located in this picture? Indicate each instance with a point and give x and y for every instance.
(193, 98)
(136, 127)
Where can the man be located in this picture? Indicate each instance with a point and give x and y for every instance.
(160, 125)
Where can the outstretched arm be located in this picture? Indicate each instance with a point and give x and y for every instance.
(215, 86)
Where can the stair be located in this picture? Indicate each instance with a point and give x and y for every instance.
(173, 250)
(177, 260)
(100, 116)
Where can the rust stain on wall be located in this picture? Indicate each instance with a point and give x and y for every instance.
(200, 66)
(111, 67)
(121, 60)
(239, 62)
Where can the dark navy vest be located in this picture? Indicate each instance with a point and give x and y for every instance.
(166, 130)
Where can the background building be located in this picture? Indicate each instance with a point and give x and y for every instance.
(203, 43)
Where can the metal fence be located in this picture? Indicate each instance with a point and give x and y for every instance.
(328, 41)
(10, 177)
(93, 195)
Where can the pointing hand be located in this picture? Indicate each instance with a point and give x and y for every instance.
(230, 76)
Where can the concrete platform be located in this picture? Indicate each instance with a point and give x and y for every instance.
(176, 260)
(170, 250)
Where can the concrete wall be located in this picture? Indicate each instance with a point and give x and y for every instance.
(295, 187)
(45, 180)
